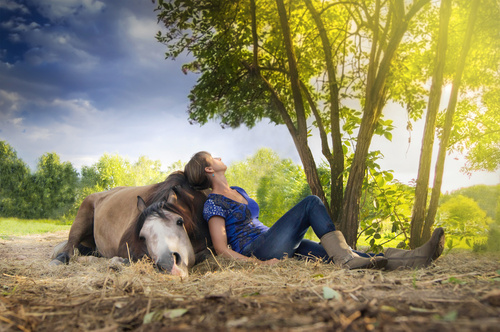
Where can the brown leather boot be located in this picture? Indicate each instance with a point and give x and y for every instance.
(420, 257)
(336, 247)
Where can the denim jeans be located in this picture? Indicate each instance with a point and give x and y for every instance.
(286, 236)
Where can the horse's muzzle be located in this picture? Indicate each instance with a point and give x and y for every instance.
(172, 263)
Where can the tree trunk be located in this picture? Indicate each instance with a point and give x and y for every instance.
(375, 101)
(443, 146)
(424, 168)
(336, 160)
(300, 135)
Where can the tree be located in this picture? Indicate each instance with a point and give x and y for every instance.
(14, 175)
(145, 171)
(487, 197)
(248, 173)
(111, 171)
(449, 126)
(293, 62)
(419, 208)
(280, 190)
(55, 185)
(464, 219)
(276, 184)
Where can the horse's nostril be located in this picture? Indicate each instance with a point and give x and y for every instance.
(177, 258)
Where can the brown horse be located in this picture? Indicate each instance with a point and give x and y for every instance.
(110, 223)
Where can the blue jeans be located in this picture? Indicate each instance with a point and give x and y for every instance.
(286, 236)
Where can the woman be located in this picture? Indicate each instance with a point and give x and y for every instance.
(237, 233)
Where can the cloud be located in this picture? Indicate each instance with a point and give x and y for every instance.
(65, 10)
(14, 7)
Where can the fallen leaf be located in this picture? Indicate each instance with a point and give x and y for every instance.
(451, 316)
(329, 293)
(148, 318)
(174, 313)
(388, 308)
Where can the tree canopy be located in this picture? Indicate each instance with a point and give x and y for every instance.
(325, 64)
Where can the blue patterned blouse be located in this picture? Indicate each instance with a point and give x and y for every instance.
(242, 220)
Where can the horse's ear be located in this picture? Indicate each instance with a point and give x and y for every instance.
(172, 198)
(141, 205)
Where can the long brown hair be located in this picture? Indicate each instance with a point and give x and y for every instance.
(195, 171)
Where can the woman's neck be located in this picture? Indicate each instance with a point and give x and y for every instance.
(220, 184)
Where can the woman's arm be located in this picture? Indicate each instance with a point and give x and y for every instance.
(217, 226)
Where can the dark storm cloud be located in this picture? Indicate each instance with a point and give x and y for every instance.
(101, 51)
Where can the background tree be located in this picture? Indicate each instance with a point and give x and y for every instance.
(248, 173)
(463, 219)
(112, 171)
(14, 176)
(55, 185)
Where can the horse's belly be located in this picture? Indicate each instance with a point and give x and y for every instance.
(108, 240)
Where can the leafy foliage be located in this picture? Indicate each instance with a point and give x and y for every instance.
(55, 185)
(463, 218)
(276, 184)
(488, 200)
(111, 171)
(14, 178)
(48, 193)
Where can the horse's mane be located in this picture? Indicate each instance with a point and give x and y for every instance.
(189, 207)
(187, 197)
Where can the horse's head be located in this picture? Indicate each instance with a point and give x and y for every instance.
(167, 241)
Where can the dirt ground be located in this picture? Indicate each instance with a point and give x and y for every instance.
(461, 292)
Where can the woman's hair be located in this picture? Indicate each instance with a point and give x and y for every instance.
(195, 171)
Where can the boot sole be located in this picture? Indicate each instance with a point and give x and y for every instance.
(440, 236)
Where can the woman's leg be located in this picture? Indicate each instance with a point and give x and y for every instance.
(312, 250)
(285, 236)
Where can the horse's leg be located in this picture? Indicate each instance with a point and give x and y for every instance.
(82, 231)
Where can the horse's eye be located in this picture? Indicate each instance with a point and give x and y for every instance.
(180, 222)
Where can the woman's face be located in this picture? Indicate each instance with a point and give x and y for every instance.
(217, 164)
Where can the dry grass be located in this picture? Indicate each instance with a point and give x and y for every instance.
(461, 292)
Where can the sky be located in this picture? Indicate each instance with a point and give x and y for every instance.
(85, 77)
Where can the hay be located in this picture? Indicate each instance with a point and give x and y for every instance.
(458, 293)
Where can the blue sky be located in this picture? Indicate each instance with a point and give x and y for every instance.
(83, 77)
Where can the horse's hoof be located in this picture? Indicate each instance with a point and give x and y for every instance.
(55, 262)
(62, 258)
(117, 260)
(116, 263)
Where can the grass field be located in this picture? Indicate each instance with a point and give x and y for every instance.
(18, 227)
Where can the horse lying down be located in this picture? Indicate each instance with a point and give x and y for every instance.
(169, 229)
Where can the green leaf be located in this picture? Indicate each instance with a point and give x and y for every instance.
(380, 181)
(451, 316)
(453, 280)
(329, 293)
(174, 313)
(148, 318)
